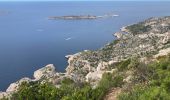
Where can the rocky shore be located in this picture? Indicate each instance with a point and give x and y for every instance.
(150, 38)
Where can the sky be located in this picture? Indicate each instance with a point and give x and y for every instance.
(84, 0)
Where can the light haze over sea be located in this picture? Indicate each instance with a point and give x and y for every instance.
(29, 41)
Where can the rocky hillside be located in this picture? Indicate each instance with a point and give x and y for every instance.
(143, 42)
(140, 40)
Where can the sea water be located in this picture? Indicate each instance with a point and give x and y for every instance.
(29, 40)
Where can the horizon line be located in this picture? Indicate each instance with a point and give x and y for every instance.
(91, 1)
(78, 0)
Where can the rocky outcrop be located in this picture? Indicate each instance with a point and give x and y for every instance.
(13, 88)
(46, 71)
(162, 53)
(144, 43)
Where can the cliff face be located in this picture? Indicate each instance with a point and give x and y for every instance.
(150, 38)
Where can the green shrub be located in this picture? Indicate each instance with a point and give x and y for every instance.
(145, 93)
(35, 91)
(153, 83)
(68, 90)
(158, 87)
(106, 83)
(124, 65)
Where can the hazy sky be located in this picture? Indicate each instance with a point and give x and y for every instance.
(84, 0)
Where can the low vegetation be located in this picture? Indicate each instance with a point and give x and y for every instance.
(149, 82)
(138, 28)
(69, 90)
(155, 84)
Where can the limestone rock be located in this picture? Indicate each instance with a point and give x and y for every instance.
(102, 66)
(94, 76)
(162, 52)
(14, 86)
(46, 71)
(118, 34)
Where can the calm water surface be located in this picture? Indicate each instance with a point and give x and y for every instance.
(28, 40)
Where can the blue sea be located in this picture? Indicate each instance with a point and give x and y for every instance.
(29, 41)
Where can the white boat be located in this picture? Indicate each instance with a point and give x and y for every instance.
(115, 15)
(68, 38)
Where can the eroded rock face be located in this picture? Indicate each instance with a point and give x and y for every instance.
(4, 94)
(47, 71)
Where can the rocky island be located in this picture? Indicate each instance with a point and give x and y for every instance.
(136, 62)
(81, 17)
(73, 17)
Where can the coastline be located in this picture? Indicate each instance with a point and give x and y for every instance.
(89, 66)
(13, 86)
